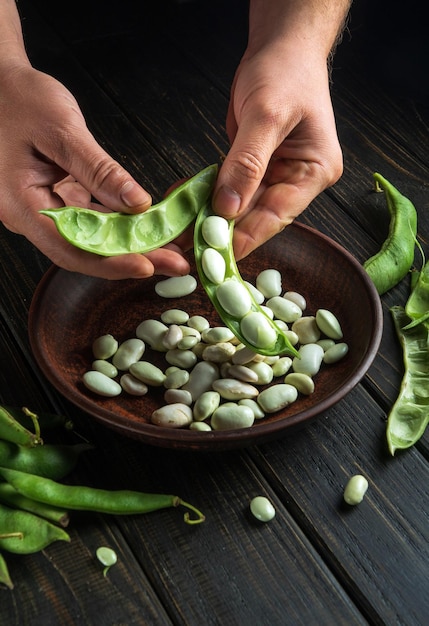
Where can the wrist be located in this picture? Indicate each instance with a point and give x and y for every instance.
(311, 25)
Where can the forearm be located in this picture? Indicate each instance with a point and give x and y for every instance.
(12, 49)
(315, 24)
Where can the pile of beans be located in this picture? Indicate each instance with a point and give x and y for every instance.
(211, 381)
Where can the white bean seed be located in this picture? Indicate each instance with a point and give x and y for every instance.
(355, 489)
(230, 416)
(172, 416)
(206, 405)
(277, 397)
(213, 265)
(215, 231)
(201, 378)
(234, 298)
(328, 324)
(148, 373)
(302, 382)
(262, 509)
(310, 359)
(296, 297)
(269, 283)
(181, 396)
(152, 332)
(174, 316)
(105, 367)
(101, 384)
(104, 347)
(176, 286)
(306, 329)
(335, 353)
(132, 385)
(257, 330)
(231, 389)
(284, 309)
(130, 351)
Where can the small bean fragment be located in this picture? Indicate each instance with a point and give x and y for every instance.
(335, 353)
(172, 416)
(229, 416)
(269, 283)
(105, 367)
(104, 347)
(328, 324)
(355, 489)
(302, 382)
(101, 384)
(277, 397)
(132, 385)
(262, 509)
(176, 286)
(130, 351)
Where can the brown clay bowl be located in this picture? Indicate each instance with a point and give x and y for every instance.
(70, 310)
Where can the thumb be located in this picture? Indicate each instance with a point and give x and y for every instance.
(243, 169)
(102, 176)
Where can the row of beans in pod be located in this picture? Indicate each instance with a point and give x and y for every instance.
(211, 380)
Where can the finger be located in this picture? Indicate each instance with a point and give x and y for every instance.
(275, 209)
(96, 171)
(244, 168)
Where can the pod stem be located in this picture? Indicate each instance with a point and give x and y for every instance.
(188, 520)
(35, 419)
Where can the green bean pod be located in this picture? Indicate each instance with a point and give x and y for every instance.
(10, 497)
(11, 430)
(25, 533)
(417, 305)
(5, 578)
(409, 416)
(395, 257)
(112, 234)
(49, 460)
(281, 343)
(82, 498)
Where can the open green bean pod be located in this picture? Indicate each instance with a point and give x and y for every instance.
(395, 257)
(245, 317)
(409, 416)
(112, 234)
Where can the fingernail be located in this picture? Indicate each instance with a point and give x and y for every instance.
(227, 201)
(132, 195)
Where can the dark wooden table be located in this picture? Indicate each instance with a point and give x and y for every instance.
(153, 83)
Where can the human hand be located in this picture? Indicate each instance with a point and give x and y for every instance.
(48, 158)
(285, 148)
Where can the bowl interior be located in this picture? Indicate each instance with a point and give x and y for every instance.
(70, 310)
